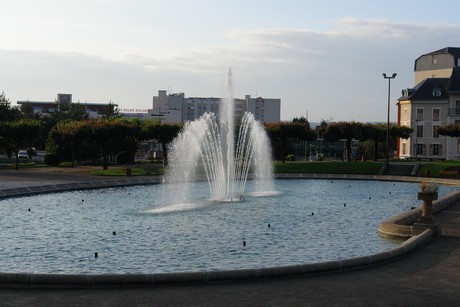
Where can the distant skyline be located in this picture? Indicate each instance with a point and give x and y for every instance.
(326, 57)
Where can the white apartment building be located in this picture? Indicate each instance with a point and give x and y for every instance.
(433, 102)
(176, 108)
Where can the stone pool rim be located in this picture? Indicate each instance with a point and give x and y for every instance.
(33, 280)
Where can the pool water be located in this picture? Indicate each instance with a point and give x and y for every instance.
(137, 230)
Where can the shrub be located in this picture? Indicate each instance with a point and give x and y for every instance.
(52, 159)
(123, 157)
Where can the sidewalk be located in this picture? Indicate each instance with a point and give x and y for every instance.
(428, 276)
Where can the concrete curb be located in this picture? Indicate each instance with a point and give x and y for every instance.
(400, 225)
(85, 185)
(30, 280)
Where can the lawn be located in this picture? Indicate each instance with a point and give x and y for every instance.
(435, 167)
(367, 168)
(119, 171)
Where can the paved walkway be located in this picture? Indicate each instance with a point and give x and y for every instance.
(429, 276)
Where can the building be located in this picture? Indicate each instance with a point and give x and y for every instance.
(434, 101)
(176, 108)
(94, 110)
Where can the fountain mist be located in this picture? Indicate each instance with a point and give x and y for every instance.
(209, 143)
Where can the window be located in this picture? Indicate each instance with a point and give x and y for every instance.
(420, 149)
(419, 114)
(436, 149)
(435, 131)
(437, 92)
(420, 131)
(436, 114)
(405, 117)
(404, 148)
(434, 60)
(458, 145)
(457, 107)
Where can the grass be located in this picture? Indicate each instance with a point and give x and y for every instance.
(435, 167)
(367, 168)
(141, 170)
(325, 167)
(119, 171)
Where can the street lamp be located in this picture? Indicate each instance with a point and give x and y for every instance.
(416, 136)
(388, 117)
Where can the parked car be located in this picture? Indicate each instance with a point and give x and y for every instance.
(22, 154)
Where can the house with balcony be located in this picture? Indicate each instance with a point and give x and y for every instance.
(434, 101)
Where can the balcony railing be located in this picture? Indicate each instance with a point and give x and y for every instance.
(454, 111)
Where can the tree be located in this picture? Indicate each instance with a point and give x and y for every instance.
(451, 130)
(70, 132)
(19, 134)
(281, 132)
(162, 132)
(375, 133)
(110, 112)
(7, 112)
(343, 130)
(27, 112)
(111, 136)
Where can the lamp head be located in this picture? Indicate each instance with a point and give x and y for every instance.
(394, 75)
(384, 75)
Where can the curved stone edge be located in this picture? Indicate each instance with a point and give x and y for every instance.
(79, 185)
(400, 226)
(31, 280)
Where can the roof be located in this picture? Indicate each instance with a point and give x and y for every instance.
(455, 51)
(454, 85)
(88, 104)
(37, 102)
(425, 90)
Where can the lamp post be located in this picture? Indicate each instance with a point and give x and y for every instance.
(416, 138)
(388, 117)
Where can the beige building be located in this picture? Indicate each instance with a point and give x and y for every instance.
(434, 101)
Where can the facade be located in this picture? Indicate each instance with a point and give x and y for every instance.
(94, 110)
(176, 108)
(433, 102)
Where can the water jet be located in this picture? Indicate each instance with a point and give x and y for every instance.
(210, 143)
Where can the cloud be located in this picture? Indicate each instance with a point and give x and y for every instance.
(335, 73)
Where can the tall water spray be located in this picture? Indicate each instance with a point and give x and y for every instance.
(209, 143)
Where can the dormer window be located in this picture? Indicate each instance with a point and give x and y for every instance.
(436, 92)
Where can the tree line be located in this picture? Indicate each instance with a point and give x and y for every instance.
(284, 133)
(69, 134)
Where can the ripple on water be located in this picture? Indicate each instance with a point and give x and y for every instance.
(61, 234)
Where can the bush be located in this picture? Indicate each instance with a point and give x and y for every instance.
(52, 159)
(123, 157)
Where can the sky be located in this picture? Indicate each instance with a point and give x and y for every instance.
(321, 58)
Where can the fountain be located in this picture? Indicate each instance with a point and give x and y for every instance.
(209, 143)
(142, 231)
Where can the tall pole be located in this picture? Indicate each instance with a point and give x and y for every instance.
(416, 139)
(388, 118)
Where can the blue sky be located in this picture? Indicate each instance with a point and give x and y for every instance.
(326, 57)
